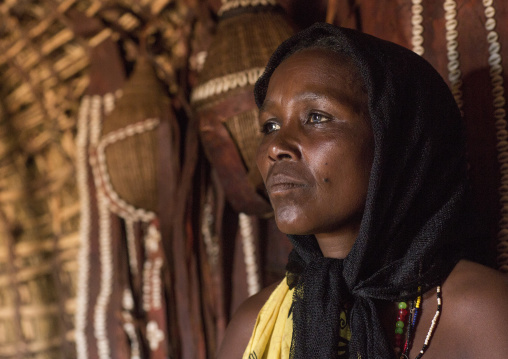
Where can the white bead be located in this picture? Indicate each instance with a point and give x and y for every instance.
(490, 12)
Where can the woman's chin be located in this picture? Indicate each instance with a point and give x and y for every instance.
(291, 227)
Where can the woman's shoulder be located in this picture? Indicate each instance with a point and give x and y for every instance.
(475, 297)
(240, 328)
(470, 281)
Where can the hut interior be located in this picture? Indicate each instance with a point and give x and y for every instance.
(132, 218)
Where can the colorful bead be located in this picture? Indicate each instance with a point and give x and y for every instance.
(415, 316)
(399, 326)
(398, 340)
(419, 299)
(402, 314)
(433, 324)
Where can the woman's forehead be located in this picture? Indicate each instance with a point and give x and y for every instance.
(321, 55)
(315, 72)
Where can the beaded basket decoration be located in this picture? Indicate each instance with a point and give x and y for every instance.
(247, 34)
(127, 151)
(45, 72)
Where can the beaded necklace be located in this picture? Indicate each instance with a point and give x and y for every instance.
(411, 325)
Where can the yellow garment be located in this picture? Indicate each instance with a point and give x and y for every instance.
(273, 331)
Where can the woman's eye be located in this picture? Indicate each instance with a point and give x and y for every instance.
(318, 118)
(269, 127)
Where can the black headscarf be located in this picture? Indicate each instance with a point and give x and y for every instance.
(415, 226)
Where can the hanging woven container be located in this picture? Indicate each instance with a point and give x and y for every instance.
(248, 32)
(127, 151)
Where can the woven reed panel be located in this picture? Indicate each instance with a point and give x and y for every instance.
(44, 48)
(42, 75)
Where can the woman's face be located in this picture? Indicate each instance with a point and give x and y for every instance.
(317, 148)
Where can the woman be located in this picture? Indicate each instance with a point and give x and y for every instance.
(363, 160)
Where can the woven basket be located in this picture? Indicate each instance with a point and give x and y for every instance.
(131, 160)
(246, 37)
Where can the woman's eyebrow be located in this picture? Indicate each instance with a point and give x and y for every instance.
(264, 105)
(309, 96)
(299, 97)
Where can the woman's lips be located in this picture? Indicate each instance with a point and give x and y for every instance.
(283, 187)
(280, 182)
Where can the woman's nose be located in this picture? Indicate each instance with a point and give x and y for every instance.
(284, 146)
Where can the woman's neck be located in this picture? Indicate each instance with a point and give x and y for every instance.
(337, 244)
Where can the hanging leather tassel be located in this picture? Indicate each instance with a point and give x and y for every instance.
(139, 144)
(182, 258)
(106, 75)
(331, 11)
